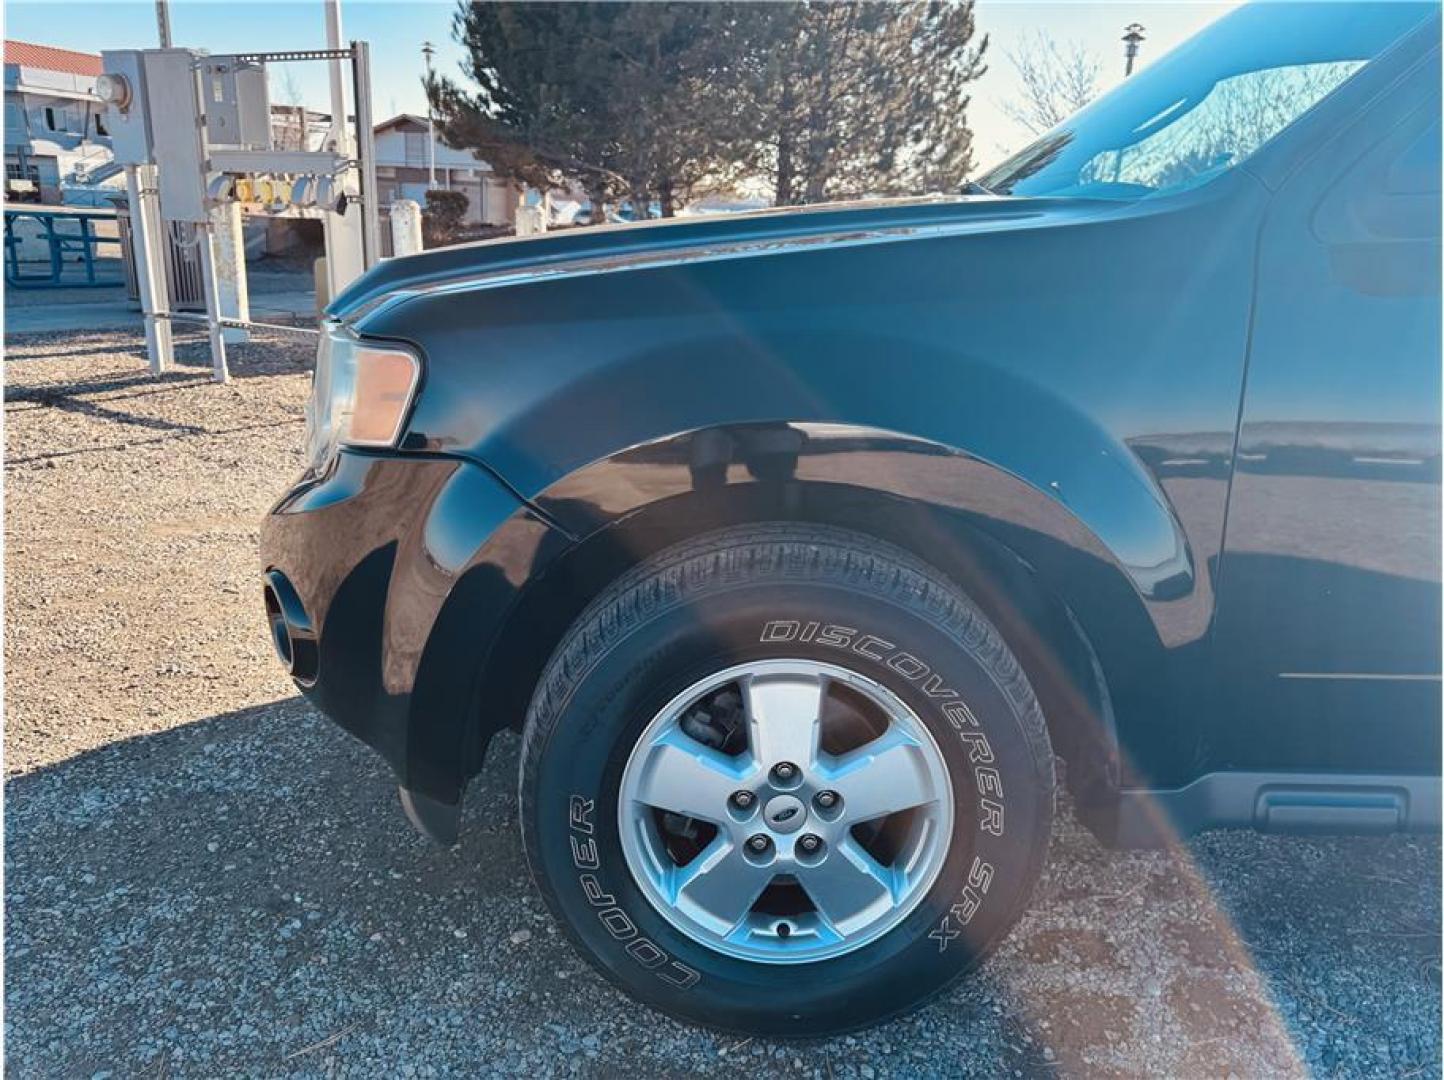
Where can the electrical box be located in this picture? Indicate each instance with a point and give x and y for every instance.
(236, 103)
(126, 116)
(176, 132)
(153, 116)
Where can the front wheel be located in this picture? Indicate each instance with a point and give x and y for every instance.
(785, 780)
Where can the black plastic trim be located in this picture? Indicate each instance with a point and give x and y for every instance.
(1281, 802)
(434, 820)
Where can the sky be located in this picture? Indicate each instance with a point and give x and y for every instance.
(396, 30)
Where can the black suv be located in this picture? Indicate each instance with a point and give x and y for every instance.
(798, 545)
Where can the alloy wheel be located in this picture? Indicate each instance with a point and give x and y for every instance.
(785, 811)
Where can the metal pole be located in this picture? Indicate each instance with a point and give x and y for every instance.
(206, 239)
(338, 81)
(249, 324)
(149, 275)
(366, 153)
(233, 295)
(162, 20)
(426, 50)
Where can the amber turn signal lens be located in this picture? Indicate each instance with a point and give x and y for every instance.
(385, 380)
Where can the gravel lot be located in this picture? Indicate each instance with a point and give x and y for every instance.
(204, 878)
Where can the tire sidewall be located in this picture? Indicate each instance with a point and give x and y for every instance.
(946, 674)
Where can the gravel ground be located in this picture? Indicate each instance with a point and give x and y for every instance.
(203, 877)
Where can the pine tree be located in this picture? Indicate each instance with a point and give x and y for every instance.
(662, 100)
(863, 98)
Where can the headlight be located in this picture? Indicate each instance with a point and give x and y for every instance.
(359, 396)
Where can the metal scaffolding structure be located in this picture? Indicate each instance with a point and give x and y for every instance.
(192, 130)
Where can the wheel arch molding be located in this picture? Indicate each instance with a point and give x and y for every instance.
(1062, 599)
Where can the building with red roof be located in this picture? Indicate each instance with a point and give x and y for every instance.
(54, 124)
(49, 58)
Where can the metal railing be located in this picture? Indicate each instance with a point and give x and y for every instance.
(70, 241)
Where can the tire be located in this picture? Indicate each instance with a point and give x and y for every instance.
(821, 600)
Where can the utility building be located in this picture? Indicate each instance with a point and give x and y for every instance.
(55, 135)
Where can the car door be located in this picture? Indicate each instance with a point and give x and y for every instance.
(1327, 636)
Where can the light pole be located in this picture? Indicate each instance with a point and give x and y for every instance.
(1132, 38)
(428, 50)
(338, 138)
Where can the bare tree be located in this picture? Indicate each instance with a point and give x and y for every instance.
(1239, 114)
(1056, 81)
(293, 130)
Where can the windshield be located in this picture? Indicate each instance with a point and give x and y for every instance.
(1207, 105)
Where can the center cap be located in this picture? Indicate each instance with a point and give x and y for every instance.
(784, 813)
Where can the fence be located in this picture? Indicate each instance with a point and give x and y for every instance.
(61, 247)
(182, 265)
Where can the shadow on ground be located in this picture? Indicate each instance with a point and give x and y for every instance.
(140, 404)
(242, 895)
(268, 352)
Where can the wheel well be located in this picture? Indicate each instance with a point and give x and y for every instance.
(1038, 626)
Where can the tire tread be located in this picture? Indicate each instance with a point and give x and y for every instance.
(753, 554)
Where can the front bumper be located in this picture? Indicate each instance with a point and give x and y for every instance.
(402, 571)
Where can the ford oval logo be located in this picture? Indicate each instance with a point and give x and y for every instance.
(787, 813)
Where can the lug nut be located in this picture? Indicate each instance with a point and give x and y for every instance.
(785, 771)
(742, 799)
(828, 799)
(809, 843)
(758, 844)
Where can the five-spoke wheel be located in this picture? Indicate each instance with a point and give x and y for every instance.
(805, 828)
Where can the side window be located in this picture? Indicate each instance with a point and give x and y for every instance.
(1391, 194)
(1381, 218)
(1416, 172)
(50, 118)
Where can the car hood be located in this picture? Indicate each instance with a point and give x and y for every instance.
(600, 249)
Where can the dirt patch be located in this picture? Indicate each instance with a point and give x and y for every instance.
(1080, 948)
(1198, 945)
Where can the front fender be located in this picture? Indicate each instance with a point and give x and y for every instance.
(1072, 386)
(463, 611)
(543, 439)
(1131, 610)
